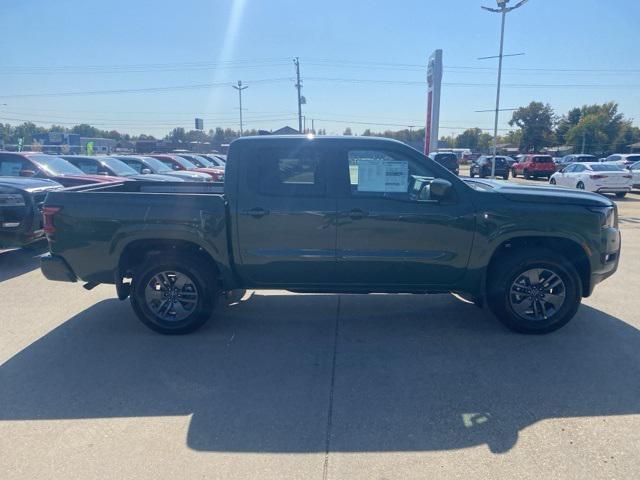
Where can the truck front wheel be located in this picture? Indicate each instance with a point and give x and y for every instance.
(173, 295)
(534, 291)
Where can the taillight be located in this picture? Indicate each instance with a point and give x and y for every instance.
(598, 177)
(48, 213)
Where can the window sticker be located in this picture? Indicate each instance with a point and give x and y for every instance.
(386, 176)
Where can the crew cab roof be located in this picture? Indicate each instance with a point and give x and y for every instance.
(316, 138)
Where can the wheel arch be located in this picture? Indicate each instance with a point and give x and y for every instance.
(136, 252)
(569, 249)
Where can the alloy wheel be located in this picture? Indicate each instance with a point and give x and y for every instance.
(537, 294)
(171, 296)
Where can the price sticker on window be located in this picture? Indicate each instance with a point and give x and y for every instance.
(384, 176)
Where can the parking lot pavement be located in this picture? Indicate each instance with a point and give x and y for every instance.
(317, 386)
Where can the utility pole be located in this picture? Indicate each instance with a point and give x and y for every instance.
(502, 9)
(296, 62)
(313, 126)
(240, 88)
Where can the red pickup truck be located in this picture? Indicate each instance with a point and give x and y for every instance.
(534, 166)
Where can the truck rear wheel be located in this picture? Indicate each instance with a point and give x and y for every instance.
(173, 295)
(534, 291)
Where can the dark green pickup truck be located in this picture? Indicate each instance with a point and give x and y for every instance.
(338, 215)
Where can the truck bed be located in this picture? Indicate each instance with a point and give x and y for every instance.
(96, 224)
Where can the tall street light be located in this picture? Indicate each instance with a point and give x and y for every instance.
(503, 9)
(240, 88)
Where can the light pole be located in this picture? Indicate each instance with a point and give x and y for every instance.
(503, 9)
(240, 88)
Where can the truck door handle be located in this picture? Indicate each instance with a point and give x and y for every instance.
(256, 212)
(357, 214)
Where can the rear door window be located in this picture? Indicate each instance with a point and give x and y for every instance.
(282, 172)
(88, 167)
(12, 165)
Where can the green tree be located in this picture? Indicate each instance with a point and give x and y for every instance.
(347, 131)
(85, 130)
(177, 136)
(470, 139)
(536, 122)
(600, 128)
(485, 141)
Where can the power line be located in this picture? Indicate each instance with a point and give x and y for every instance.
(141, 90)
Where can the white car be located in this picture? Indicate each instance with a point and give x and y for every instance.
(635, 172)
(624, 159)
(595, 177)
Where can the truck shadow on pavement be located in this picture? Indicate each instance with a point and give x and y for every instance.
(272, 374)
(14, 263)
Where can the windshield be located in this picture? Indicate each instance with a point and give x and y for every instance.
(184, 162)
(198, 161)
(606, 167)
(56, 165)
(119, 168)
(157, 166)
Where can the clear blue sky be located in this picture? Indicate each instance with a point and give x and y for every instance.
(80, 46)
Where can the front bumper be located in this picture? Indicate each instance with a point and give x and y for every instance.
(56, 268)
(609, 260)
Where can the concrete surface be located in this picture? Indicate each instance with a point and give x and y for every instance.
(317, 386)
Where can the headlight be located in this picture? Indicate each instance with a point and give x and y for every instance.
(609, 216)
(11, 200)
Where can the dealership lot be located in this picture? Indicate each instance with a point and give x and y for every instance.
(317, 386)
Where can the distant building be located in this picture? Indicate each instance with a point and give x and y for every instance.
(286, 131)
(149, 146)
(58, 142)
(100, 145)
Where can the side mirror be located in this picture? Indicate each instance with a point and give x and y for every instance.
(440, 190)
(27, 173)
(145, 171)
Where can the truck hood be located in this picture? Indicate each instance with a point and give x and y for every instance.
(30, 185)
(548, 194)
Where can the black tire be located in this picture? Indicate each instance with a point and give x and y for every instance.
(482, 174)
(471, 174)
(504, 277)
(621, 194)
(506, 176)
(514, 174)
(552, 181)
(580, 186)
(526, 175)
(201, 279)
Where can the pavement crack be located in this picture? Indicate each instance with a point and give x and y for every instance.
(327, 439)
